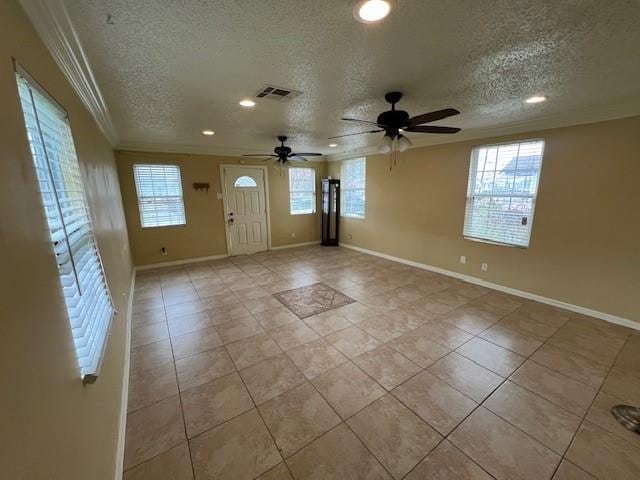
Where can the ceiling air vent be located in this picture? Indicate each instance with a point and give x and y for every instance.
(278, 94)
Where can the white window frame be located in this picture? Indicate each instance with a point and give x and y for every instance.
(146, 202)
(347, 188)
(311, 192)
(473, 195)
(83, 283)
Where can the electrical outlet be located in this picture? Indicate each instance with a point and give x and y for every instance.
(293, 234)
(349, 236)
(484, 267)
(463, 259)
(163, 251)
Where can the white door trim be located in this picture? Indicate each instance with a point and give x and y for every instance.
(223, 188)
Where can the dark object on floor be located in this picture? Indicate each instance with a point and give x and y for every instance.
(627, 416)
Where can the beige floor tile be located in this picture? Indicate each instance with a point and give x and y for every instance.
(384, 327)
(186, 308)
(271, 377)
(279, 472)
(141, 305)
(501, 301)
(503, 450)
(327, 323)
(195, 342)
(262, 304)
(469, 318)
(252, 350)
(186, 294)
(337, 454)
(152, 430)
(604, 455)
(316, 358)
(431, 306)
(189, 323)
(148, 317)
(298, 417)
(438, 404)
(212, 403)
(203, 367)
(293, 335)
(511, 340)
(238, 329)
(568, 471)
(466, 376)
(226, 313)
(596, 344)
(151, 386)
(629, 358)
(150, 356)
(446, 462)
(149, 334)
(444, 334)
(419, 349)
(545, 314)
(227, 298)
(353, 341)
(523, 323)
(354, 312)
(571, 364)
(173, 464)
(450, 297)
(239, 449)
(497, 359)
(600, 414)
(563, 391)
(386, 366)
(622, 385)
(396, 436)
(551, 425)
(348, 389)
(275, 317)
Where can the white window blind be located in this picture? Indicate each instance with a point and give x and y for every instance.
(82, 279)
(501, 195)
(302, 191)
(353, 185)
(159, 189)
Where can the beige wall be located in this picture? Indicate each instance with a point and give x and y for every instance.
(53, 427)
(204, 233)
(585, 243)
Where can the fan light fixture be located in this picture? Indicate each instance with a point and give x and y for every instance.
(247, 103)
(333, 145)
(536, 99)
(403, 143)
(208, 132)
(371, 11)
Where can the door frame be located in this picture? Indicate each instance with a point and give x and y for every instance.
(265, 179)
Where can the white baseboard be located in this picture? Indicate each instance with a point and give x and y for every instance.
(125, 381)
(175, 263)
(294, 245)
(625, 322)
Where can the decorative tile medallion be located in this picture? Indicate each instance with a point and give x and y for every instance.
(312, 299)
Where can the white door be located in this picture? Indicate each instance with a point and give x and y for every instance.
(245, 209)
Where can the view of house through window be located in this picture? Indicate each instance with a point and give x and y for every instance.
(302, 190)
(159, 189)
(353, 186)
(501, 195)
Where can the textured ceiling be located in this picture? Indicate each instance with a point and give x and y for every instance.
(169, 69)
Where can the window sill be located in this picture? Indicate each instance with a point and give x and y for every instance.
(498, 244)
(164, 226)
(302, 213)
(356, 217)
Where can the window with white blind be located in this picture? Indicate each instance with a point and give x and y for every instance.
(353, 185)
(82, 280)
(159, 189)
(302, 191)
(501, 195)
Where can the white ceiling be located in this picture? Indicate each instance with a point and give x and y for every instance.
(169, 69)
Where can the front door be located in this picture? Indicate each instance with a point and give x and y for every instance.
(245, 209)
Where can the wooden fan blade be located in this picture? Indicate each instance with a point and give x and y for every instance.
(305, 154)
(432, 129)
(358, 133)
(298, 158)
(260, 155)
(432, 116)
(362, 121)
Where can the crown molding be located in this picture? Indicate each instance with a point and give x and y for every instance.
(53, 24)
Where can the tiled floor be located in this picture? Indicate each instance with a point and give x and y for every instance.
(423, 376)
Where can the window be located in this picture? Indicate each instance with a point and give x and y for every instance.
(302, 191)
(82, 279)
(501, 196)
(245, 182)
(353, 176)
(159, 190)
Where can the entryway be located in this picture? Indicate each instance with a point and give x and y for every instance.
(246, 208)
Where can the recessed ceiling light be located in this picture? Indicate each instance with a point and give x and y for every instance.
(536, 99)
(208, 132)
(370, 11)
(333, 145)
(247, 103)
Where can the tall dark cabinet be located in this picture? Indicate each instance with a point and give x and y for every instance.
(330, 211)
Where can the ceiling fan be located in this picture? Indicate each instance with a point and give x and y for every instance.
(283, 154)
(396, 122)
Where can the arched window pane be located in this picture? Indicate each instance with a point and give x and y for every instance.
(245, 182)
